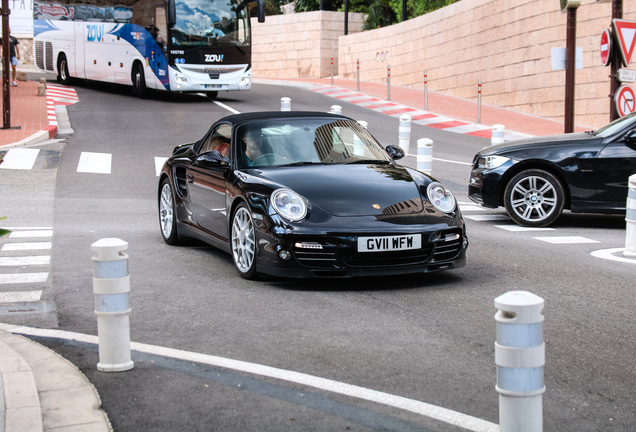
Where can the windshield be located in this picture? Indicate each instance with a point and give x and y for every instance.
(616, 126)
(305, 142)
(210, 23)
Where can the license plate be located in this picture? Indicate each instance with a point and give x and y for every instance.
(389, 243)
(212, 86)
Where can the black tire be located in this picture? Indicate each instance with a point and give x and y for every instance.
(243, 242)
(167, 214)
(62, 70)
(534, 198)
(139, 81)
(212, 94)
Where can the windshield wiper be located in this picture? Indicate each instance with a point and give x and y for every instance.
(366, 161)
(303, 163)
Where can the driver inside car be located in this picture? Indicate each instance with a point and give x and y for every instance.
(253, 146)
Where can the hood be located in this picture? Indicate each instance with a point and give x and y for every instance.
(352, 190)
(581, 138)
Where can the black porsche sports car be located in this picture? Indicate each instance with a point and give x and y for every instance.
(307, 194)
(536, 178)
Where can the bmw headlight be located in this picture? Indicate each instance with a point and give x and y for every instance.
(289, 204)
(490, 162)
(440, 197)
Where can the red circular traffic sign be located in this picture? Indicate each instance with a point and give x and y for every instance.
(606, 48)
(625, 100)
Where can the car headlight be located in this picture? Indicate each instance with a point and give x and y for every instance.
(289, 204)
(440, 197)
(490, 162)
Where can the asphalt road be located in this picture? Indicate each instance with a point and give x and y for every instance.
(428, 338)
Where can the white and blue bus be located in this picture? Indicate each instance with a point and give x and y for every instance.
(197, 46)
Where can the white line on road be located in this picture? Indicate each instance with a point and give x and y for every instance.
(98, 163)
(495, 217)
(31, 234)
(20, 296)
(566, 240)
(438, 413)
(26, 246)
(23, 278)
(222, 105)
(159, 161)
(20, 159)
(25, 261)
(518, 228)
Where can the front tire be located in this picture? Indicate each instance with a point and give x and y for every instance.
(139, 81)
(244, 246)
(62, 71)
(167, 214)
(534, 198)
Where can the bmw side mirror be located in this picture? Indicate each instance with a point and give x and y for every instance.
(395, 152)
(212, 157)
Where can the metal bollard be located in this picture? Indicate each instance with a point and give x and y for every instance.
(497, 134)
(285, 104)
(404, 134)
(331, 70)
(520, 357)
(425, 155)
(388, 82)
(479, 102)
(358, 75)
(111, 286)
(336, 109)
(630, 218)
(426, 90)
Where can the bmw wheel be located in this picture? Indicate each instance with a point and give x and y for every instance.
(244, 242)
(534, 198)
(167, 214)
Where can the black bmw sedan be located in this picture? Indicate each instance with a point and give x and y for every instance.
(307, 194)
(536, 178)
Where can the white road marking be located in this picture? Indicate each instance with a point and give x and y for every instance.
(609, 254)
(98, 163)
(27, 228)
(25, 261)
(468, 207)
(20, 159)
(455, 162)
(20, 296)
(566, 240)
(159, 161)
(222, 105)
(23, 278)
(486, 217)
(26, 246)
(517, 228)
(31, 234)
(442, 414)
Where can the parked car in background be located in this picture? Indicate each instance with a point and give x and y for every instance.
(307, 194)
(535, 179)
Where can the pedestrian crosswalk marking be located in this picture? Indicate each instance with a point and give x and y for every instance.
(23, 278)
(566, 240)
(26, 246)
(493, 217)
(97, 163)
(519, 228)
(25, 261)
(159, 161)
(31, 234)
(20, 296)
(20, 159)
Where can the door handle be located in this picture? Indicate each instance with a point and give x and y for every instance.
(190, 178)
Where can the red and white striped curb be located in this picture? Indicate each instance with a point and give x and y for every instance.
(425, 118)
(57, 95)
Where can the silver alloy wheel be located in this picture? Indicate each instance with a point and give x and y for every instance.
(166, 209)
(243, 240)
(533, 198)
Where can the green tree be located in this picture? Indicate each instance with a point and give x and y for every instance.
(380, 14)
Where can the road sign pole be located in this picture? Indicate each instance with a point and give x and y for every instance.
(617, 13)
(570, 68)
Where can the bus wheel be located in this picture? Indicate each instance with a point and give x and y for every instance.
(62, 70)
(212, 95)
(139, 81)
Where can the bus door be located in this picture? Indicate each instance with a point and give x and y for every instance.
(79, 51)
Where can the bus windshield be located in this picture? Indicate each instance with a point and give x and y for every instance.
(210, 23)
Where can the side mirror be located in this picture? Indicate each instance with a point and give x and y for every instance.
(395, 152)
(172, 13)
(631, 137)
(210, 158)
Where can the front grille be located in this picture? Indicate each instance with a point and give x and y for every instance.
(316, 259)
(448, 250)
(387, 259)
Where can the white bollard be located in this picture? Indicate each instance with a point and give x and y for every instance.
(111, 286)
(363, 124)
(425, 155)
(336, 109)
(404, 135)
(285, 104)
(630, 218)
(520, 357)
(497, 134)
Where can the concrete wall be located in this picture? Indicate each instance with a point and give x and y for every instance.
(505, 43)
(299, 45)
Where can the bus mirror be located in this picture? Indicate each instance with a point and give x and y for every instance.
(260, 10)
(172, 13)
